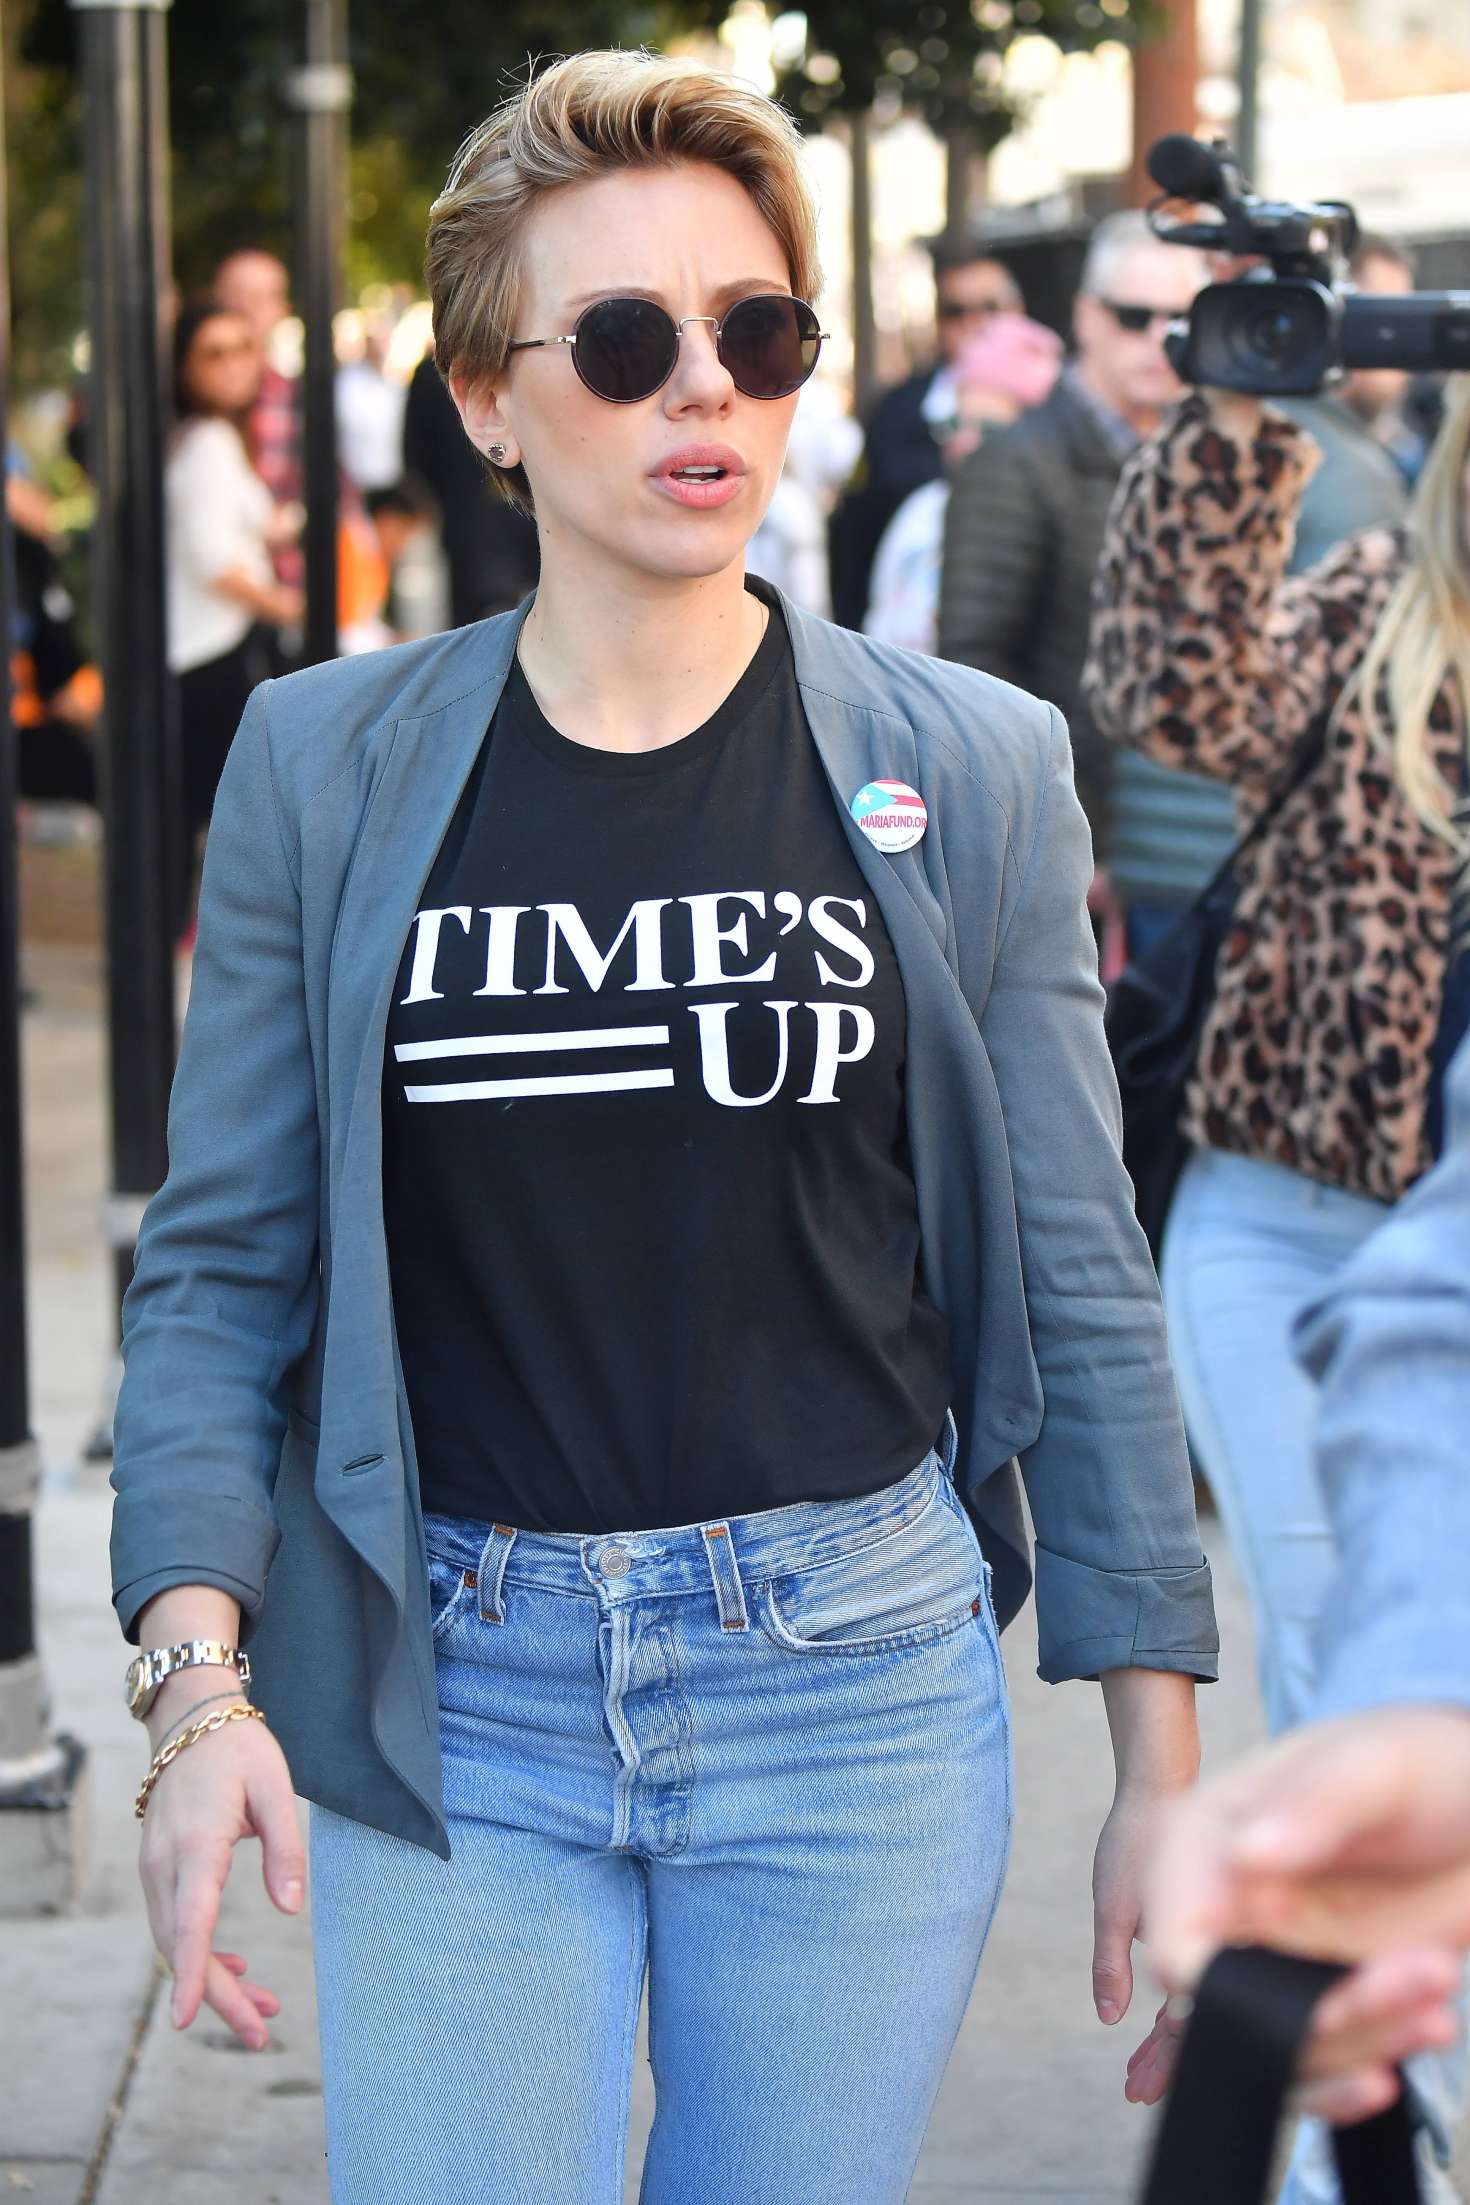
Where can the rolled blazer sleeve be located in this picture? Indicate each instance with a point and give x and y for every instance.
(225, 1283)
(1121, 1581)
(1390, 1342)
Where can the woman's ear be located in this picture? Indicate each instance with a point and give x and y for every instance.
(484, 420)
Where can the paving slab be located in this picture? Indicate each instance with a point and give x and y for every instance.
(41, 2181)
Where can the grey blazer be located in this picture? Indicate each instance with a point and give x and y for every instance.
(263, 1438)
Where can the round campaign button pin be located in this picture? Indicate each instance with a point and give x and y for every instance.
(891, 814)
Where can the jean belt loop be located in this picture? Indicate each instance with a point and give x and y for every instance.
(725, 1571)
(493, 1557)
(949, 1445)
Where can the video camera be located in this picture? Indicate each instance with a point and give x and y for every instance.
(1293, 325)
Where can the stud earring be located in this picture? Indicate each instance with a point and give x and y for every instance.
(495, 452)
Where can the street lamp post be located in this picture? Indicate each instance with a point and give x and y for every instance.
(41, 1775)
(1248, 69)
(125, 176)
(321, 94)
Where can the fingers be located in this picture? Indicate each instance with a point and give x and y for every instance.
(1353, 2097)
(239, 2005)
(1319, 1805)
(1112, 1965)
(202, 1976)
(1151, 2069)
(1384, 2012)
(199, 1881)
(264, 2001)
(272, 1812)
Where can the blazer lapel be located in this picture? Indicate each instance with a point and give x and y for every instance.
(426, 763)
(944, 1057)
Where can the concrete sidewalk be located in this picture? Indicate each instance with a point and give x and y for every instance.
(102, 2103)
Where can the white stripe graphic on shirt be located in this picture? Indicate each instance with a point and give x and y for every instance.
(570, 1083)
(492, 1045)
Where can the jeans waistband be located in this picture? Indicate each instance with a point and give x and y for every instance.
(1257, 1186)
(623, 1565)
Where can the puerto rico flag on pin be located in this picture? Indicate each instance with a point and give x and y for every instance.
(891, 814)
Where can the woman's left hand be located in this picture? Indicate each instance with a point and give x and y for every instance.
(1123, 1854)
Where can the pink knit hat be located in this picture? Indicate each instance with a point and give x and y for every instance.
(1013, 355)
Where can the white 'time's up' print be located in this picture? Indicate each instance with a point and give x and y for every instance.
(713, 948)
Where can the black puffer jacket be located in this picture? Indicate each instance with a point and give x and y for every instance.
(1022, 536)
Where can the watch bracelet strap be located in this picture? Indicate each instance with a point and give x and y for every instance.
(194, 1653)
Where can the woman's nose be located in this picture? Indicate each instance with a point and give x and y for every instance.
(700, 376)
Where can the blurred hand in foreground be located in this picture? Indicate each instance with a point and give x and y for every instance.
(1348, 1840)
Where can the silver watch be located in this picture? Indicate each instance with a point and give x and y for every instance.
(146, 1672)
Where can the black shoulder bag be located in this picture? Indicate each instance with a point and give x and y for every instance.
(1218, 2133)
(1157, 1008)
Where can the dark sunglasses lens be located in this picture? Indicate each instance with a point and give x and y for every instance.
(770, 345)
(1133, 318)
(625, 349)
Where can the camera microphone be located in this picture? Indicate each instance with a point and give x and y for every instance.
(1187, 168)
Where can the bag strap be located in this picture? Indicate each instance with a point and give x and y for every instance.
(1218, 2135)
(1454, 1010)
(1305, 760)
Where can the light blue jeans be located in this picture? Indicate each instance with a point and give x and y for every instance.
(764, 1761)
(1247, 1244)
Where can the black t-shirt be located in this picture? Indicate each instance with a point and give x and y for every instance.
(652, 1227)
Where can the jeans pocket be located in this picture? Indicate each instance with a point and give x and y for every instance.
(906, 1589)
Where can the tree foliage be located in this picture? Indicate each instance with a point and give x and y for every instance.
(423, 75)
(942, 59)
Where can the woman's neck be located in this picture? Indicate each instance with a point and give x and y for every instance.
(630, 663)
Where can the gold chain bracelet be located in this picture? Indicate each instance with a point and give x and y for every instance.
(222, 1715)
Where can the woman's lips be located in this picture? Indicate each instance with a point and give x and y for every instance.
(716, 491)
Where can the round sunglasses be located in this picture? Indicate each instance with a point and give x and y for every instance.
(625, 349)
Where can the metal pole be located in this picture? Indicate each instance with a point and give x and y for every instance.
(40, 1775)
(864, 328)
(125, 164)
(321, 94)
(961, 157)
(1248, 117)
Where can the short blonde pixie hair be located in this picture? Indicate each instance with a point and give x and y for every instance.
(584, 117)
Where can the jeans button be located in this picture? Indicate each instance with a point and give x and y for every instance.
(616, 1561)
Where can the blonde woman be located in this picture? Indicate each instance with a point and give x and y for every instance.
(1310, 1102)
(629, 1200)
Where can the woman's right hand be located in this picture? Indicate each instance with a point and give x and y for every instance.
(231, 1784)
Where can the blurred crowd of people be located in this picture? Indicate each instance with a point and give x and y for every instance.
(234, 514)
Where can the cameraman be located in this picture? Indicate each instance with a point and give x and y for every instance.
(1308, 1106)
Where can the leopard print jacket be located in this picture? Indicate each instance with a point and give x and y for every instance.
(1207, 655)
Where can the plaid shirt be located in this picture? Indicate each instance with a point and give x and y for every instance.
(275, 447)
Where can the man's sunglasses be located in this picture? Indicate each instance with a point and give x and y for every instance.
(1136, 319)
(969, 310)
(625, 349)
